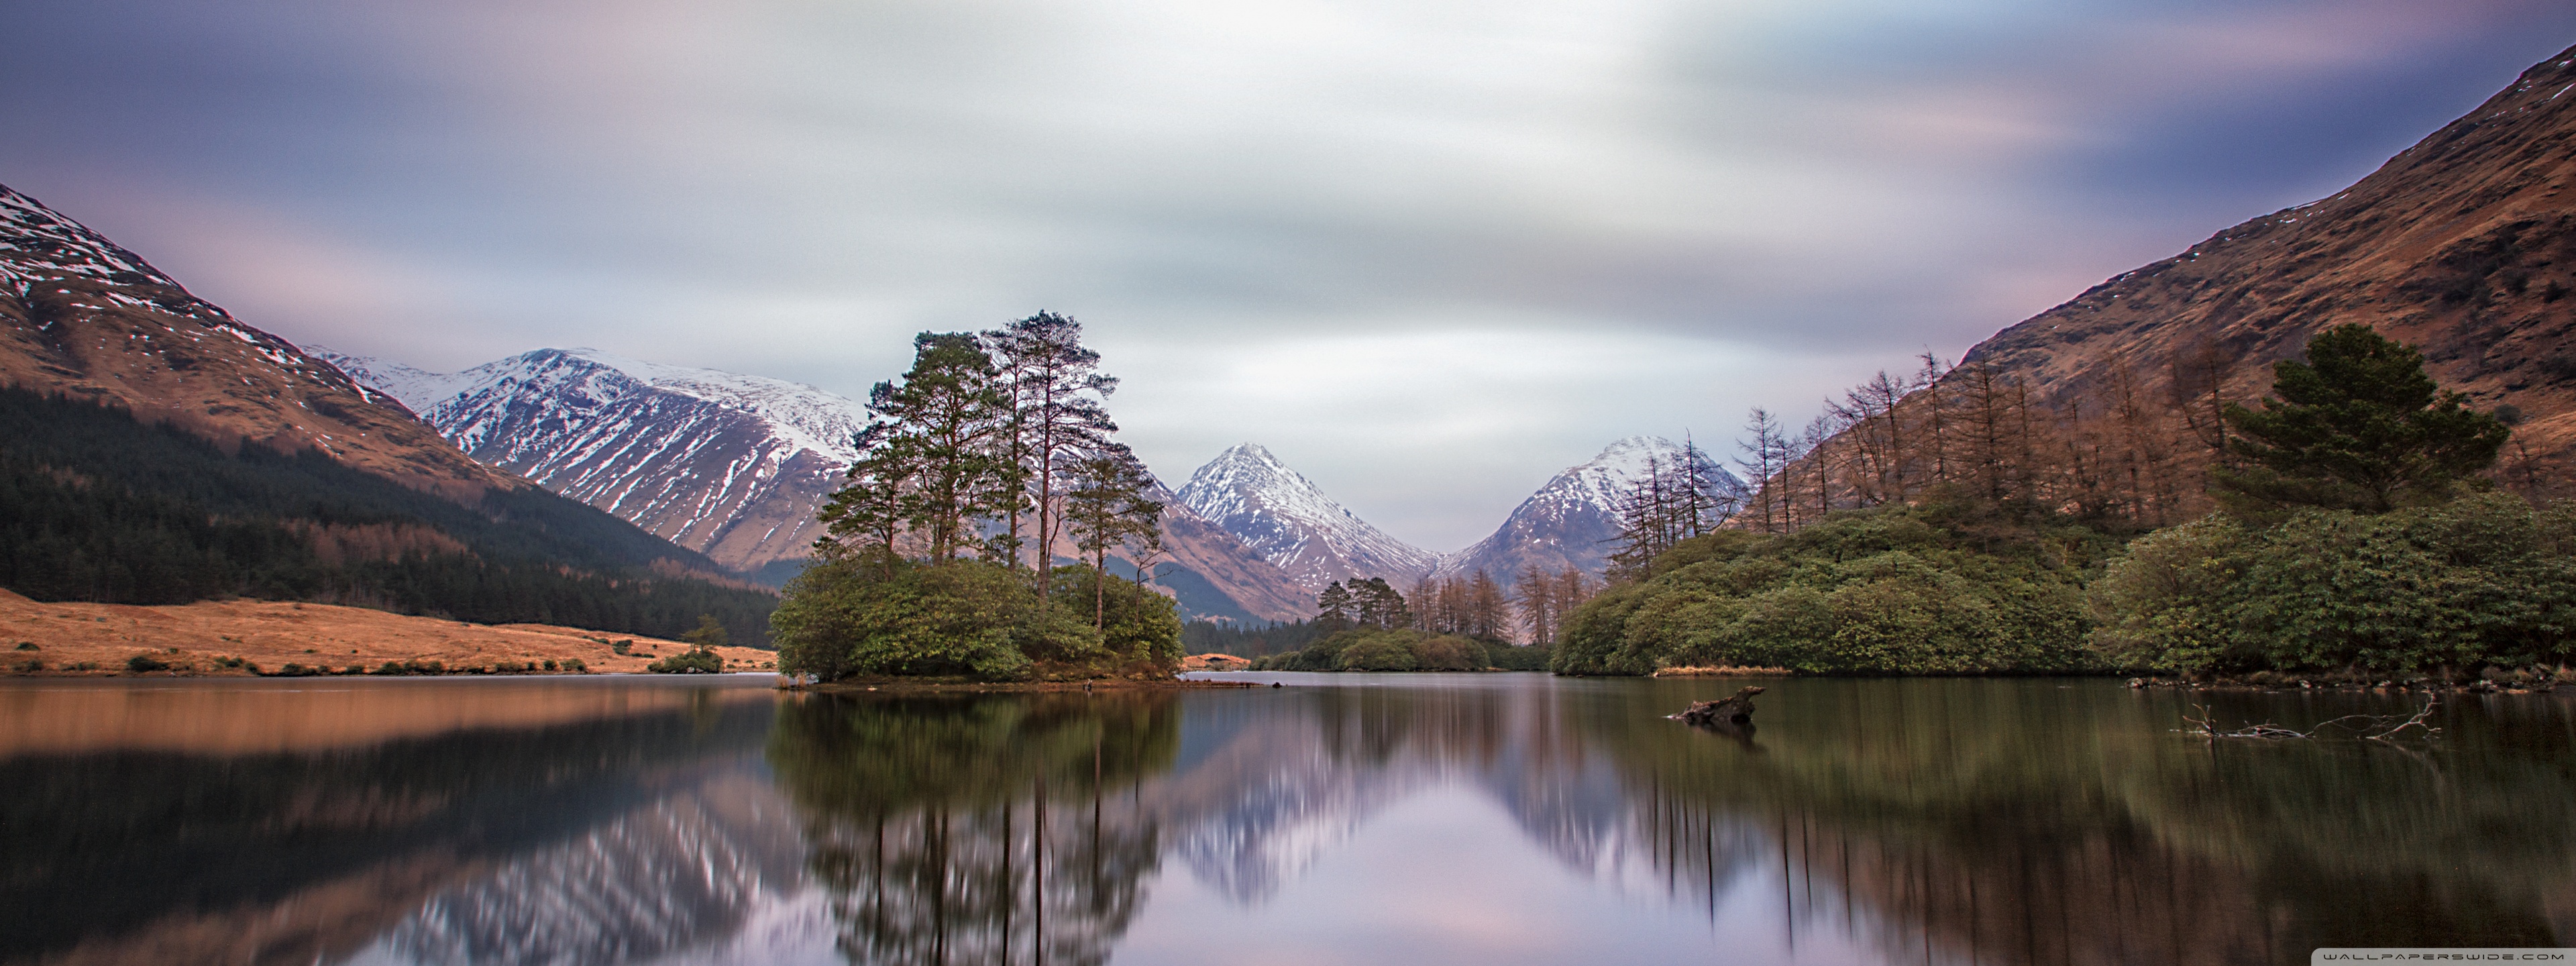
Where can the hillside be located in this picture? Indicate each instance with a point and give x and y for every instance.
(2463, 245)
(81, 316)
(158, 450)
(729, 465)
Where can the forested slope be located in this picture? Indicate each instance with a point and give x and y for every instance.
(95, 505)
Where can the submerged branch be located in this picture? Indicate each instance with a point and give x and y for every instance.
(2374, 727)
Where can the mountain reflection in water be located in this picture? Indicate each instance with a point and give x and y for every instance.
(1352, 818)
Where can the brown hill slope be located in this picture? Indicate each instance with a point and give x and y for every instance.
(2464, 245)
(81, 316)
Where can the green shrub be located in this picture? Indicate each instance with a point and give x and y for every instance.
(145, 663)
(1378, 653)
(696, 660)
(30, 666)
(1951, 585)
(28, 646)
(2485, 579)
(870, 616)
(576, 665)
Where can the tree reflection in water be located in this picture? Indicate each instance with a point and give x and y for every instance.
(993, 829)
(2004, 822)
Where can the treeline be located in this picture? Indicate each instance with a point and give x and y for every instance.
(939, 556)
(1948, 524)
(2117, 454)
(97, 506)
(1453, 624)
(1204, 637)
(1474, 606)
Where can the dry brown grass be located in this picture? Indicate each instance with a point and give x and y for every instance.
(272, 634)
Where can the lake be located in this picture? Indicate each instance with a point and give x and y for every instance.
(1467, 818)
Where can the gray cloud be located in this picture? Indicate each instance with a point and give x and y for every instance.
(1429, 252)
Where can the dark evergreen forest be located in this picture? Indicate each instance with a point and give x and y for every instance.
(97, 506)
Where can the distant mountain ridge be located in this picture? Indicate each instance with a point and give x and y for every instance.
(733, 466)
(1573, 521)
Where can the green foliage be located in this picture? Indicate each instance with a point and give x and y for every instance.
(696, 660)
(97, 506)
(874, 615)
(708, 634)
(2484, 579)
(1511, 657)
(1950, 586)
(1135, 624)
(144, 663)
(2358, 426)
(1201, 637)
(1386, 649)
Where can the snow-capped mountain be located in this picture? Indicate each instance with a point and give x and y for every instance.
(1288, 520)
(1571, 521)
(730, 465)
(82, 316)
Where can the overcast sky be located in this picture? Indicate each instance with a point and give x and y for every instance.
(1428, 251)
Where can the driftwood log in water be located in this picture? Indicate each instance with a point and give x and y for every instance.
(1735, 710)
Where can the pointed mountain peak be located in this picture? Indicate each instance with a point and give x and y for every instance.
(1248, 492)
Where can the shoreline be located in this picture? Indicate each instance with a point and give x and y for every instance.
(897, 685)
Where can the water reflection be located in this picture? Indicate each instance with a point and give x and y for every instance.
(1493, 818)
(978, 830)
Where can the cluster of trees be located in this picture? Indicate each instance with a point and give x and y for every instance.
(95, 505)
(939, 557)
(1457, 624)
(1480, 607)
(1672, 502)
(1947, 524)
(2117, 455)
(1202, 637)
(1369, 602)
(2355, 537)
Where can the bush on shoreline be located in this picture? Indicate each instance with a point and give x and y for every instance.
(1952, 585)
(1403, 649)
(873, 615)
(2482, 580)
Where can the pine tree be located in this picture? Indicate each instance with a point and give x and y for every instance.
(1105, 508)
(2359, 426)
(1378, 604)
(1057, 414)
(945, 421)
(1333, 608)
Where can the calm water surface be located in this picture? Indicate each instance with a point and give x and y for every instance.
(1499, 818)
